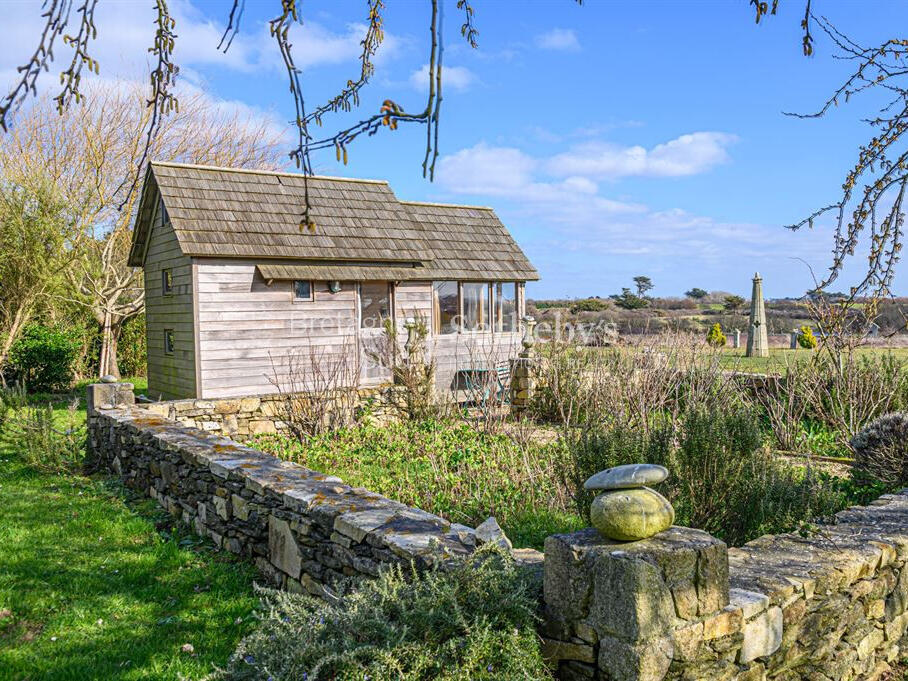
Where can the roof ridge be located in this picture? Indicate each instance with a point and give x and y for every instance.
(254, 171)
(444, 205)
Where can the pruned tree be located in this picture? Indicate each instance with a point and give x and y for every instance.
(89, 155)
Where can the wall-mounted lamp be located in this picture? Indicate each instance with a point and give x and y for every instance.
(334, 286)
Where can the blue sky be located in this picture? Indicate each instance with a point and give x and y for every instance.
(613, 139)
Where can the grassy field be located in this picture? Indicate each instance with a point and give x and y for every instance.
(780, 358)
(96, 584)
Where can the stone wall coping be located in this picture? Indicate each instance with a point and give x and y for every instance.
(856, 543)
(355, 513)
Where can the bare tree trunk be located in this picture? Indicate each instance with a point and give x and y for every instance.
(110, 334)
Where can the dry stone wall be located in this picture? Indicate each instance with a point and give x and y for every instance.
(831, 606)
(827, 607)
(305, 530)
(244, 417)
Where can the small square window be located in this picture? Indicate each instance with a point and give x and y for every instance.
(168, 341)
(302, 290)
(167, 282)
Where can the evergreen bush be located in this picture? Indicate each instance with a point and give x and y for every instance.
(475, 620)
(806, 339)
(44, 358)
(881, 449)
(715, 337)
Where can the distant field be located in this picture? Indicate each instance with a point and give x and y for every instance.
(779, 358)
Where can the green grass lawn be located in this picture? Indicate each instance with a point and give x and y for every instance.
(94, 584)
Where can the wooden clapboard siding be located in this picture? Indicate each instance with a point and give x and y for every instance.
(413, 299)
(169, 376)
(249, 330)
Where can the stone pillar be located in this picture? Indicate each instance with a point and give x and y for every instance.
(624, 610)
(522, 369)
(108, 395)
(757, 339)
(105, 395)
(736, 338)
(794, 339)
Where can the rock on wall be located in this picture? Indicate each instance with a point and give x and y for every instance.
(304, 530)
(827, 607)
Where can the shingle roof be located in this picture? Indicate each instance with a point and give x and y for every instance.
(224, 212)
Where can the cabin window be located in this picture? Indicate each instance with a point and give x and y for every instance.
(167, 282)
(302, 290)
(168, 341)
(476, 315)
(446, 306)
(505, 306)
(374, 305)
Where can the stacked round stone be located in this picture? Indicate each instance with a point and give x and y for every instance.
(628, 510)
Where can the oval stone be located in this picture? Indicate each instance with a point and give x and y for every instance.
(627, 476)
(631, 514)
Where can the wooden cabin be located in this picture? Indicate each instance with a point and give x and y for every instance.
(240, 297)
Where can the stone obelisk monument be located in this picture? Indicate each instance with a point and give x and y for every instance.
(757, 338)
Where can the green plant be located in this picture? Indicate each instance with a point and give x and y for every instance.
(132, 354)
(881, 449)
(806, 339)
(34, 432)
(696, 293)
(44, 358)
(628, 301)
(475, 620)
(732, 303)
(715, 337)
(11, 399)
(588, 305)
(721, 478)
(449, 468)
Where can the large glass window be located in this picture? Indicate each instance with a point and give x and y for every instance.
(374, 305)
(505, 306)
(446, 306)
(476, 315)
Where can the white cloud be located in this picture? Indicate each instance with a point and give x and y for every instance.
(458, 78)
(510, 173)
(569, 214)
(685, 155)
(563, 39)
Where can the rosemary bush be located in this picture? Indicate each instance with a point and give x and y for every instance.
(475, 621)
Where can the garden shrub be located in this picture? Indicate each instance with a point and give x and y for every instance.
(715, 337)
(806, 339)
(721, 479)
(132, 354)
(881, 449)
(475, 620)
(43, 442)
(44, 358)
